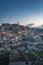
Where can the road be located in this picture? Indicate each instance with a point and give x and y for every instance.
(19, 63)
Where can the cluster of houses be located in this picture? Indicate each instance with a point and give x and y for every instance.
(15, 34)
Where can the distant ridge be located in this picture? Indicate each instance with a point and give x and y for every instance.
(38, 29)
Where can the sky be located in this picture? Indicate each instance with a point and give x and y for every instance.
(24, 11)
